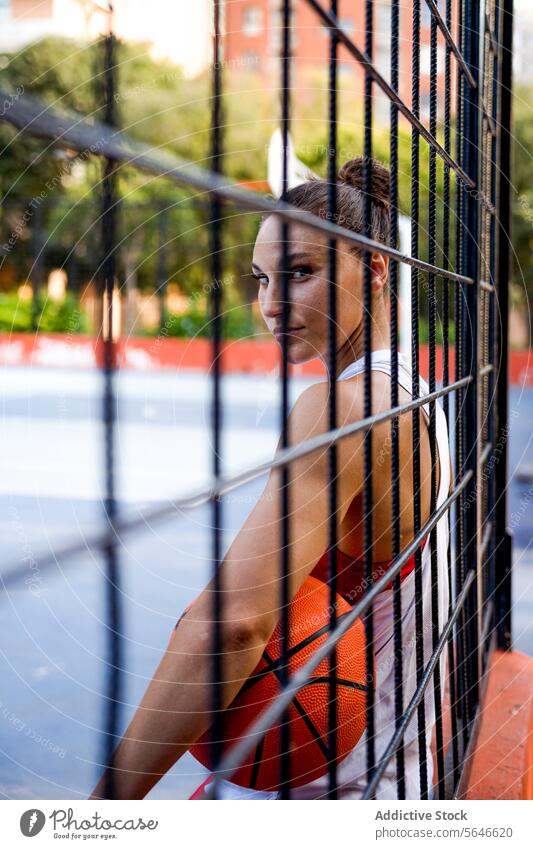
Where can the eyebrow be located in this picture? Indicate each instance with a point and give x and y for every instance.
(291, 258)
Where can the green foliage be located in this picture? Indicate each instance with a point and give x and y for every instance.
(522, 196)
(58, 71)
(46, 315)
(61, 316)
(15, 315)
(159, 106)
(237, 323)
(423, 331)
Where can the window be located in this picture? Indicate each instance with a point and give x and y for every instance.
(382, 27)
(5, 9)
(252, 20)
(276, 27)
(426, 12)
(382, 42)
(382, 59)
(347, 25)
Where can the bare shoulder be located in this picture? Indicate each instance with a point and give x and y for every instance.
(309, 419)
(310, 414)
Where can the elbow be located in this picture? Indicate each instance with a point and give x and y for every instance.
(240, 630)
(245, 633)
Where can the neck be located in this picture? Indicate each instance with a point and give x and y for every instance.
(354, 346)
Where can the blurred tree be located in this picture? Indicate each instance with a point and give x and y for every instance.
(157, 105)
(522, 195)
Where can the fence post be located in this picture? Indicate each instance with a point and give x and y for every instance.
(161, 269)
(107, 272)
(469, 330)
(503, 541)
(37, 271)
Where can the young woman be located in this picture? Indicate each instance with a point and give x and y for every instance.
(175, 710)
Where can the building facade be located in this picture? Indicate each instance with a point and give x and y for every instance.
(253, 33)
(181, 32)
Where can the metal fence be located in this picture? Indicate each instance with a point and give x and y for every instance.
(472, 140)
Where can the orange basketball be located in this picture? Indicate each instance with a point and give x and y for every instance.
(308, 712)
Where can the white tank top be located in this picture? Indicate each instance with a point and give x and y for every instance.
(351, 772)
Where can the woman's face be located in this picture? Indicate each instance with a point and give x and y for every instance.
(308, 268)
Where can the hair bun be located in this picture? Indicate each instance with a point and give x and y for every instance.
(352, 173)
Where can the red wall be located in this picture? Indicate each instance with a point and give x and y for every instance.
(246, 356)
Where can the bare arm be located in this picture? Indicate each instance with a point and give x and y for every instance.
(175, 709)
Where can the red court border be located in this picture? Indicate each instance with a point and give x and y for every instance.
(246, 356)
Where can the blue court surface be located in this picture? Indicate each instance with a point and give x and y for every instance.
(53, 647)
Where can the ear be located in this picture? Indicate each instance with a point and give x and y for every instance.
(380, 271)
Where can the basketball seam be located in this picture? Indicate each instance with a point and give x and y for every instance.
(304, 715)
(274, 664)
(257, 761)
(340, 682)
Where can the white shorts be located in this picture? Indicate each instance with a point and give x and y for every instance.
(353, 789)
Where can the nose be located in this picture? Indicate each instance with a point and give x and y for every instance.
(272, 300)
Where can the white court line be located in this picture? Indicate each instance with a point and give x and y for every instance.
(63, 459)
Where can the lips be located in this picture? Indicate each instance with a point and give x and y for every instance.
(278, 332)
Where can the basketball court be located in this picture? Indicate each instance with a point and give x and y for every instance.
(56, 622)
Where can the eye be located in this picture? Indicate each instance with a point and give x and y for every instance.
(260, 277)
(305, 270)
(302, 270)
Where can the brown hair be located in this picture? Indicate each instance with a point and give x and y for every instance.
(312, 196)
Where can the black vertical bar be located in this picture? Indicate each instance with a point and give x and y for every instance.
(503, 558)
(415, 211)
(446, 367)
(492, 303)
(432, 297)
(459, 400)
(161, 270)
(493, 248)
(37, 276)
(395, 422)
(285, 762)
(367, 342)
(332, 336)
(216, 407)
(471, 233)
(108, 270)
